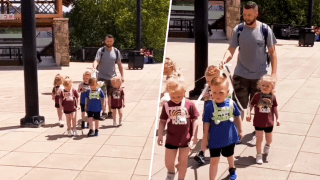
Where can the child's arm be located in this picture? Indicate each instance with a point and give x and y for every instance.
(123, 104)
(162, 125)
(194, 129)
(249, 112)
(239, 126)
(109, 100)
(205, 139)
(275, 109)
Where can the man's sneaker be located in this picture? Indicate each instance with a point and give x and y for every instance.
(104, 114)
(61, 123)
(82, 124)
(114, 123)
(259, 159)
(75, 132)
(200, 158)
(109, 115)
(90, 133)
(170, 176)
(266, 149)
(87, 125)
(70, 133)
(233, 174)
(96, 132)
(120, 122)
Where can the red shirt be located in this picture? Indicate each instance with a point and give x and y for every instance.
(179, 134)
(69, 100)
(117, 96)
(263, 109)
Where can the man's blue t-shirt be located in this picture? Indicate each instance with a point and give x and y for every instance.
(225, 133)
(94, 104)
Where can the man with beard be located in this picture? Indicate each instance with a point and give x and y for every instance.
(253, 38)
(105, 60)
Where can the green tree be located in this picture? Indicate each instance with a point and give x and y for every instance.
(292, 12)
(92, 20)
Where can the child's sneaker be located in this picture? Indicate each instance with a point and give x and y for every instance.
(87, 125)
(200, 158)
(75, 132)
(61, 123)
(82, 124)
(120, 122)
(114, 123)
(70, 133)
(266, 149)
(96, 132)
(104, 114)
(233, 174)
(259, 159)
(170, 176)
(90, 133)
(109, 115)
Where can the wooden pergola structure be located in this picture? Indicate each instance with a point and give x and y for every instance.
(46, 11)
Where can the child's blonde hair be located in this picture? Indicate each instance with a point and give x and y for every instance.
(169, 63)
(212, 70)
(57, 78)
(175, 84)
(115, 79)
(220, 81)
(67, 81)
(269, 79)
(93, 81)
(87, 73)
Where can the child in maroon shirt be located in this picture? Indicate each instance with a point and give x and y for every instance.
(116, 99)
(57, 83)
(265, 108)
(69, 101)
(180, 116)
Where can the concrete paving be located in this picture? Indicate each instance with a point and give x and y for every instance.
(122, 153)
(294, 153)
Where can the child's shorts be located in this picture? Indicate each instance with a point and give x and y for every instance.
(57, 105)
(225, 151)
(94, 115)
(68, 112)
(169, 146)
(116, 107)
(82, 107)
(266, 130)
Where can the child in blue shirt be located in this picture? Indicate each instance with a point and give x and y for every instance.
(220, 120)
(94, 98)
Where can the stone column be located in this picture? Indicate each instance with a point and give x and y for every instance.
(232, 16)
(61, 41)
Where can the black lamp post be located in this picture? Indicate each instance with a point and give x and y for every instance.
(201, 44)
(138, 25)
(29, 52)
(310, 13)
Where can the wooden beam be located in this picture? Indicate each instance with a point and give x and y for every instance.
(42, 16)
(17, 23)
(59, 7)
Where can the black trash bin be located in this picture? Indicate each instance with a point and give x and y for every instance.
(306, 37)
(136, 60)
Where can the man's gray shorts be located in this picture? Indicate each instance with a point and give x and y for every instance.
(107, 88)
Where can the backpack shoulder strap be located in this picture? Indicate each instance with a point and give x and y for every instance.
(239, 30)
(264, 29)
(102, 52)
(166, 107)
(117, 53)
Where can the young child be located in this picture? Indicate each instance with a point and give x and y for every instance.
(219, 118)
(116, 99)
(58, 87)
(94, 98)
(265, 108)
(83, 87)
(69, 101)
(211, 72)
(180, 116)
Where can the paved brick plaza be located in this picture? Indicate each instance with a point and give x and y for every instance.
(122, 153)
(295, 151)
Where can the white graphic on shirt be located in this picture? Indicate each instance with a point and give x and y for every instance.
(178, 115)
(68, 96)
(116, 94)
(264, 105)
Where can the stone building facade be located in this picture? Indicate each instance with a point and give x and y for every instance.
(61, 41)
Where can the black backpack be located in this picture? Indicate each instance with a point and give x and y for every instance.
(264, 30)
(115, 50)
